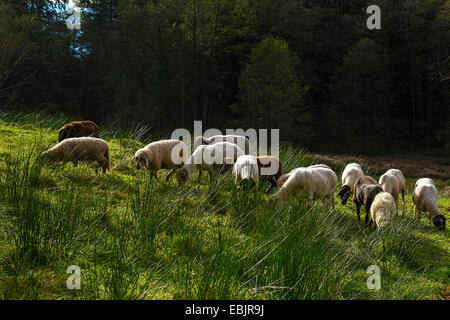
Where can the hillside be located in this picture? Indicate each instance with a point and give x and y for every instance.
(139, 239)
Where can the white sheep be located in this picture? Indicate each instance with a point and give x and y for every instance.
(205, 156)
(162, 154)
(283, 178)
(425, 199)
(383, 209)
(310, 183)
(394, 182)
(351, 173)
(241, 141)
(87, 149)
(245, 169)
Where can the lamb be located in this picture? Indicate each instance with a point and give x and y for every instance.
(241, 141)
(245, 169)
(351, 172)
(270, 169)
(162, 154)
(383, 209)
(394, 182)
(366, 188)
(87, 149)
(283, 178)
(77, 129)
(205, 156)
(311, 183)
(425, 199)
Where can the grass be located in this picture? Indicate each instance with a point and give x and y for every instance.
(134, 238)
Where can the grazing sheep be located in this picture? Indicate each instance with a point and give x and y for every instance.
(205, 156)
(319, 165)
(383, 209)
(283, 178)
(351, 172)
(425, 199)
(163, 154)
(241, 141)
(87, 149)
(270, 169)
(77, 129)
(366, 188)
(311, 183)
(245, 169)
(394, 182)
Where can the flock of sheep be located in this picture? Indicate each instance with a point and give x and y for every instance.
(79, 142)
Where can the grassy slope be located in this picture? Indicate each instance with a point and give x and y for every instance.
(134, 238)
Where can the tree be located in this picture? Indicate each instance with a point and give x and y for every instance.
(270, 92)
(360, 114)
(15, 50)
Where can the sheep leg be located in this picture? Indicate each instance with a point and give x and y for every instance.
(154, 175)
(200, 173)
(403, 198)
(273, 184)
(366, 218)
(210, 172)
(358, 213)
(170, 174)
(396, 204)
(310, 199)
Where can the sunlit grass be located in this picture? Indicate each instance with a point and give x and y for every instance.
(134, 238)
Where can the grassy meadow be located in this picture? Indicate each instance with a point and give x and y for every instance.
(139, 239)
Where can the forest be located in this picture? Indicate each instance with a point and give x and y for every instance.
(310, 68)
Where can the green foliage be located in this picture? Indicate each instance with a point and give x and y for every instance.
(270, 91)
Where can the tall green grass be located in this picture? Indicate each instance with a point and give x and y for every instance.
(135, 238)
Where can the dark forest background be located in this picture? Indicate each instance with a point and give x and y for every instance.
(308, 67)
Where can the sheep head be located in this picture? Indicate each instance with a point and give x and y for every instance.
(47, 155)
(182, 176)
(282, 179)
(439, 222)
(344, 194)
(142, 159)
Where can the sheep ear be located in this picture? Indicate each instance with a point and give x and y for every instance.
(134, 158)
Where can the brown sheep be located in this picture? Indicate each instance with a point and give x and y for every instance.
(77, 129)
(366, 188)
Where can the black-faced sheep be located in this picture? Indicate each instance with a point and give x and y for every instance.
(309, 183)
(351, 172)
(87, 149)
(163, 154)
(383, 209)
(270, 169)
(425, 199)
(366, 188)
(77, 129)
(204, 157)
(394, 182)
